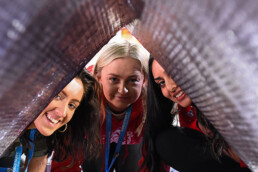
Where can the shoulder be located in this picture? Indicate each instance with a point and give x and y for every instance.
(41, 145)
(10, 151)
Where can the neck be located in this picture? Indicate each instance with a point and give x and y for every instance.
(31, 126)
(118, 114)
(116, 110)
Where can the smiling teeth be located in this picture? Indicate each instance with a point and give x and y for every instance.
(179, 94)
(52, 120)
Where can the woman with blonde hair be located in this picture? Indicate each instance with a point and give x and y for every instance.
(121, 70)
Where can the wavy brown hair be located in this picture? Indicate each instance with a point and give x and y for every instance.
(83, 132)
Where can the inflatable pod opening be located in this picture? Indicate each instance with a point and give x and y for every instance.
(208, 47)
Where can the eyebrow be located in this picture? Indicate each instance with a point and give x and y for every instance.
(72, 99)
(158, 78)
(134, 75)
(113, 74)
(75, 100)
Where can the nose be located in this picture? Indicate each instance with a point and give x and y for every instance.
(171, 86)
(174, 89)
(122, 89)
(62, 108)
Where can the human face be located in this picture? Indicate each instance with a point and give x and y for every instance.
(60, 110)
(168, 86)
(122, 81)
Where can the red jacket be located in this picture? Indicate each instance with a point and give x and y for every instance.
(64, 165)
(188, 117)
(135, 121)
(130, 137)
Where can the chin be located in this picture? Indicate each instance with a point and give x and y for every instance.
(186, 103)
(45, 133)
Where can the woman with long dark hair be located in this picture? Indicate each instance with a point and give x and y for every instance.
(196, 146)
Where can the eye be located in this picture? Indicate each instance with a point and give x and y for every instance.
(58, 97)
(113, 79)
(161, 84)
(72, 106)
(134, 80)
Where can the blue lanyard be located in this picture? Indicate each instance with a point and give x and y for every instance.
(3, 169)
(18, 153)
(121, 136)
(32, 145)
(17, 159)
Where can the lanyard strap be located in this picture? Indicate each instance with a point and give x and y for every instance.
(17, 159)
(121, 136)
(32, 145)
(18, 153)
(3, 169)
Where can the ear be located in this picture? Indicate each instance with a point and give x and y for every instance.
(99, 79)
(145, 82)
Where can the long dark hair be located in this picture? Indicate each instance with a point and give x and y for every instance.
(83, 132)
(157, 120)
(217, 143)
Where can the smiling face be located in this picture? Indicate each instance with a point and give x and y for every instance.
(122, 81)
(168, 87)
(60, 110)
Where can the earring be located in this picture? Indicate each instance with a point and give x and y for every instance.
(62, 131)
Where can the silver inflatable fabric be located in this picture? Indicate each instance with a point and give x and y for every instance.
(44, 43)
(210, 48)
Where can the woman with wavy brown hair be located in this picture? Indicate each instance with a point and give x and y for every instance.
(61, 127)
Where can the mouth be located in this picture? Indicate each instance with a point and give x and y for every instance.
(122, 98)
(179, 95)
(52, 120)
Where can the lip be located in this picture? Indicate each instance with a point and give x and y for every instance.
(180, 97)
(174, 94)
(122, 97)
(50, 123)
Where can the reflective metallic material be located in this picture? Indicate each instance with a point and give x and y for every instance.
(208, 46)
(43, 45)
(210, 49)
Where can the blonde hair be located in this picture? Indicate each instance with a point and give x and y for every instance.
(121, 49)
